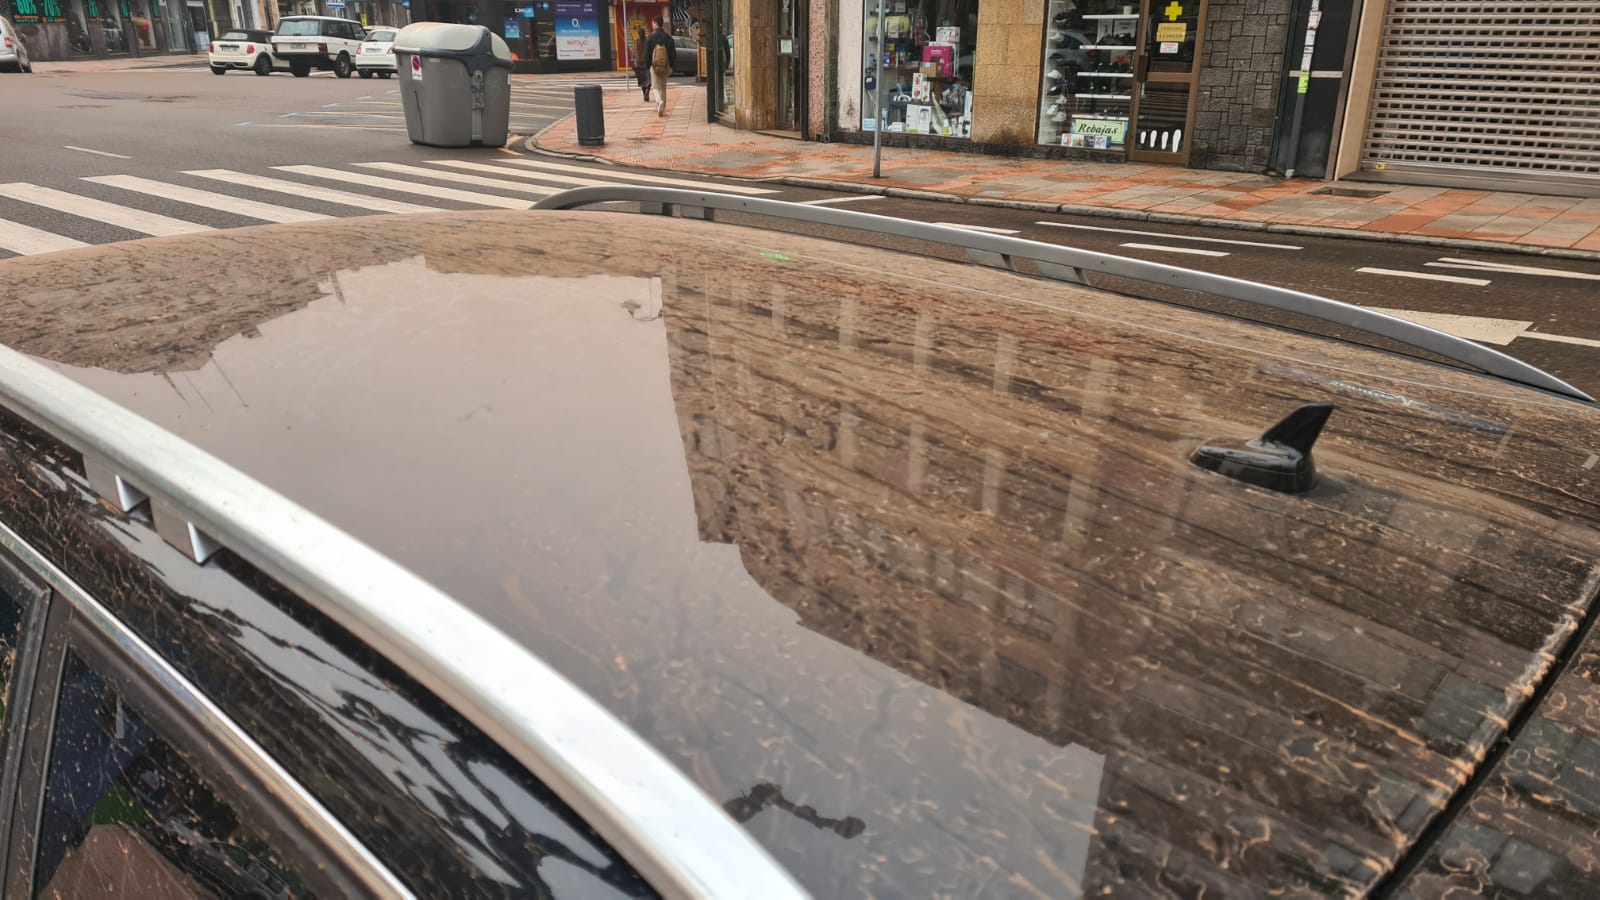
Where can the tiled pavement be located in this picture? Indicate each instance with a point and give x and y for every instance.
(685, 141)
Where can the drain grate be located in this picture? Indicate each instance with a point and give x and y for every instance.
(1363, 193)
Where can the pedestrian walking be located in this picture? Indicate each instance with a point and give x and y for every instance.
(641, 63)
(663, 59)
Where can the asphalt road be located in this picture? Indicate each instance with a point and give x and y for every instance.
(94, 158)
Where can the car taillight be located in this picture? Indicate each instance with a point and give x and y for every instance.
(213, 46)
(9, 44)
(389, 50)
(322, 48)
(249, 48)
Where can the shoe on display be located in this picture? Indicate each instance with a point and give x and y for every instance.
(1058, 117)
(1055, 90)
(1053, 74)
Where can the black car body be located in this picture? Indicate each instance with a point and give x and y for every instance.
(903, 562)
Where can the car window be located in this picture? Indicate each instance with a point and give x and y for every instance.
(126, 815)
(18, 596)
(298, 27)
(382, 36)
(234, 36)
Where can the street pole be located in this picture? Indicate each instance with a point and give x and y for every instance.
(1293, 150)
(877, 129)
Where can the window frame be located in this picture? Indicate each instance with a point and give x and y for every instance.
(20, 583)
(281, 810)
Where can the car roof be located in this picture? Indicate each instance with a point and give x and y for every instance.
(903, 559)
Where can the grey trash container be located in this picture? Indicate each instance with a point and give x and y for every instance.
(591, 110)
(455, 84)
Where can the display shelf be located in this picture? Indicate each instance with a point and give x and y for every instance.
(1105, 74)
(1128, 47)
(1100, 118)
(1111, 16)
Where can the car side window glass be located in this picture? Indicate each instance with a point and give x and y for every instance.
(126, 815)
(17, 599)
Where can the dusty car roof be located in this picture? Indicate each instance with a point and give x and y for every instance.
(902, 560)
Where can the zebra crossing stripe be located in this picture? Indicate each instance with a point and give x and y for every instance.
(475, 180)
(24, 240)
(502, 170)
(312, 191)
(99, 210)
(635, 177)
(250, 209)
(409, 187)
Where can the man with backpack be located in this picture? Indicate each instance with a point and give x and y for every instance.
(663, 56)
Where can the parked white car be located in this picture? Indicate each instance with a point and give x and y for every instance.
(376, 56)
(318, 42)
(13, 53)
(245, 49)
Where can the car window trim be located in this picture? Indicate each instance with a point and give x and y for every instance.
(18, 581)
(1071, 264)
(673, 834)
(183, 714)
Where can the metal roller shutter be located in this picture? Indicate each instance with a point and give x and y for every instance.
(1504, 89)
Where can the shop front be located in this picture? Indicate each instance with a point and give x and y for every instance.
(630, 20)
(1121, 79)
(544, 35)
(1087, 79)
(71, 29)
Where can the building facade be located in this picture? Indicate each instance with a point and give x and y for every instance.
(1412, 89)
(80, 29)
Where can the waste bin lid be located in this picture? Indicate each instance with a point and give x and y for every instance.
(453, 41)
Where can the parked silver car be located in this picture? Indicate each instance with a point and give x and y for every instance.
(13, 52)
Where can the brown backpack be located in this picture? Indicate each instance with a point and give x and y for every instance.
(658, 59)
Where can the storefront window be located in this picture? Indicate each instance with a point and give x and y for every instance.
(719, 56)
(1088, 73)
(527, 29)
(140, 20)
(83, 13)
(115, 22)
(927, 57)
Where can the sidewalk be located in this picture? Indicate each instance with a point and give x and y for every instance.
(121, 64)
(1465, 219)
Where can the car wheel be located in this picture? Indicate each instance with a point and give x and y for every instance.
(384, 74)
(364, 73)
(219, 70)
(300, 70)
(341, 66)
(263, 65)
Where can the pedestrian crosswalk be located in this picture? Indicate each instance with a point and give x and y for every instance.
(36, 218)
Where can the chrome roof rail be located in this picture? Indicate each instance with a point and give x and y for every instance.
(1072, 264)
(670, 831)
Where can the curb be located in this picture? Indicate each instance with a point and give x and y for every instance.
(532, 145)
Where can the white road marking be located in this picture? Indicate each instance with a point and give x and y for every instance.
(95, 152)
(100, 211)
(514, 173)
(1473, 328)
(515, 187)
(984, 228)
(266, 212)
(1178, 237)
(1162, 248)
(312, 191)
(1483, 266)
(634, 177)
(1561, 339)
(1426, 276)
(854, 198)
(24, 240)
(408, 187)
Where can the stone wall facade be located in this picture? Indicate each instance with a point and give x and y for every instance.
(1240, 72)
